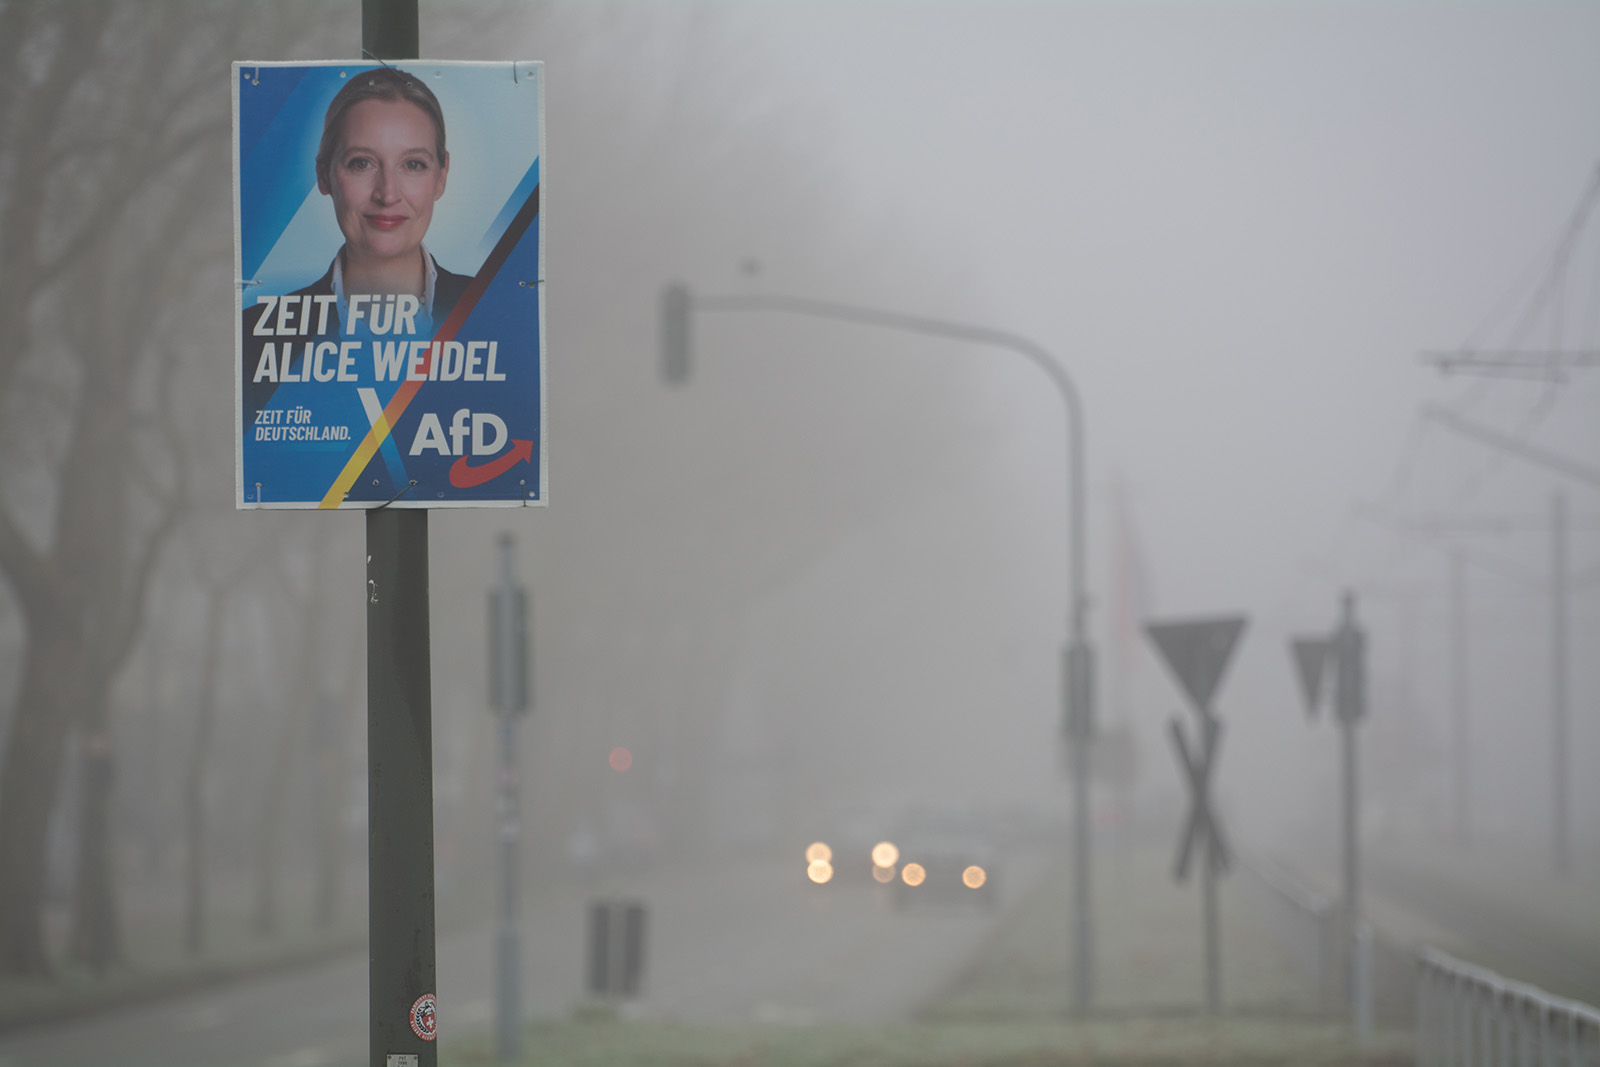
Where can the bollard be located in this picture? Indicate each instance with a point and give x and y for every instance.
(616, 948)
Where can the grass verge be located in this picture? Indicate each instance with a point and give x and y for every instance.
(1125, 1042)
(1008, 1008)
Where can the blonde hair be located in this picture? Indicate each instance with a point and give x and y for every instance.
(379, 83)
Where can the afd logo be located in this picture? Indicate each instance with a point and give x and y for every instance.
(486, 433)
(486, 430)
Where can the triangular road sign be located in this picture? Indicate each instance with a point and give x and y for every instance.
(1311, 655)
(1197, 652)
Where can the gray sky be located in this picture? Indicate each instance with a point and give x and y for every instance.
(1237, 224)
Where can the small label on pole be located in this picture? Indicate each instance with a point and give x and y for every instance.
(424, 1017)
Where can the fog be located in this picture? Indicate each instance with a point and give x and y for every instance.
(824, 582)
(1238, 229)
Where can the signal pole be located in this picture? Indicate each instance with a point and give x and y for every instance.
(1461, 766)
(508, 689)
(1345, 652)
(676, 305)
(1350, 704)
(1561, 854)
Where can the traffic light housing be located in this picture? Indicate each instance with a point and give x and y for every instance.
(508, 634)
(1077, 680)
(675, 333)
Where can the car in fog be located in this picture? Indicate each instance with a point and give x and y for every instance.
(839, 860)
(944, 864)
(925, 859)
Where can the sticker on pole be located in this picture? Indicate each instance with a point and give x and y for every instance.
(389, 313)
(425, 1017)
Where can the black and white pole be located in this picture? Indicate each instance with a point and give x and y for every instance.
(508, 692)
(1197, 653)
(402, 1005)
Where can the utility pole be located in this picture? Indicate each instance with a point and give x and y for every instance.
(1461, 765)
(402, 1000)
(1571, 469)
(402, 1005)
(1561, 854)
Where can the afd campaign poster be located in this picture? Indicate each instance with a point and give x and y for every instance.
(390, 258)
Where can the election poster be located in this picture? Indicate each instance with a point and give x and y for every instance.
(390, 284)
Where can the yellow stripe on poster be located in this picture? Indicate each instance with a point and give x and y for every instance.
(358, 463)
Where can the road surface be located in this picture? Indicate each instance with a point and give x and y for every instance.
(727, 943)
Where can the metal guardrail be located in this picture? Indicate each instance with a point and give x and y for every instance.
(1470, 1016)
(1350, 972)
(1302, 920)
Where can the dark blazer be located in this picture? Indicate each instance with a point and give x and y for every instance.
(447, 289)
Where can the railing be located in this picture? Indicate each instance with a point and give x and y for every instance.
(1351, 973)
(1470, 1016)
(1302, 920)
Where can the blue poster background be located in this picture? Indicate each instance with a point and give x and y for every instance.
(462, 442)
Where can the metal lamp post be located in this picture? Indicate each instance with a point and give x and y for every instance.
(677, 304)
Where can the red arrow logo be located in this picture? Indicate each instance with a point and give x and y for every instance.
(465, 476)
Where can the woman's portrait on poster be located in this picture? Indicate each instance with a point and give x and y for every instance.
(383, 163)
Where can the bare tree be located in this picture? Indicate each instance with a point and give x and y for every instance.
(224, 555)
(113, 209)
(306, 584)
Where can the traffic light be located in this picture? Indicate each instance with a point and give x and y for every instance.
(1077, 680)
(508, 633)
(1350, 679)
(675, 333)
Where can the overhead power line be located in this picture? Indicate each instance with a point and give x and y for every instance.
(1571, 468)
(1535, 364)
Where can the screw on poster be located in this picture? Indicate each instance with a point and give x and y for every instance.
(390, 284)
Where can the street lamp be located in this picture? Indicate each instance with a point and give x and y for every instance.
(677, 305)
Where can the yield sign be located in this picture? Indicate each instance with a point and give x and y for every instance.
(1197, 653)
(1202, 829)
(1311, 655)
